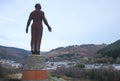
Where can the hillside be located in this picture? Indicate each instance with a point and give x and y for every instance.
(84, 50)
(69, 52)
(112, 50)
(12, 53)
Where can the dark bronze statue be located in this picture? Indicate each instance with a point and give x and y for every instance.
(37, 28)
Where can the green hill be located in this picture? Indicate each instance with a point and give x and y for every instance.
(112, 50)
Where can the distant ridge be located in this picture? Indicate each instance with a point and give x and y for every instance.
(84, 50)
(12, 53)
(18, 54)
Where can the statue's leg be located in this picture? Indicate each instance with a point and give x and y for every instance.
(33, 39)
(32, 46)
(39, 41)
(35, 43)
(36, 47)
(36, 39)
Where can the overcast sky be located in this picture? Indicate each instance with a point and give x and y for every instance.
(74, 22)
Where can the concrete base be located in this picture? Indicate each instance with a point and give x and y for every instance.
(34, 69)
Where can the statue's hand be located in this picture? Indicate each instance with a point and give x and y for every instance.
(50, 29)
(26, 30)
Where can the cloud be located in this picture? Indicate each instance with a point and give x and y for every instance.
(3, 37)
(7, 19)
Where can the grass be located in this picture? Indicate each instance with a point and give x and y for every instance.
(15, 76)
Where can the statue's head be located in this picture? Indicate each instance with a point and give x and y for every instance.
(37, 6)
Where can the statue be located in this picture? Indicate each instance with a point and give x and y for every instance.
(37, 28)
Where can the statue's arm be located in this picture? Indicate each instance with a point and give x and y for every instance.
(28, 22)
(46, 22)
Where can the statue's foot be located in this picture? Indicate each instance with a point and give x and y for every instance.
(35, 52)
(38, 52)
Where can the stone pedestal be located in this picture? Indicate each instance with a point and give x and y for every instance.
(34, 69)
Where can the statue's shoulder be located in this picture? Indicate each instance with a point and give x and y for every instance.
(33, 12)
(40, 12)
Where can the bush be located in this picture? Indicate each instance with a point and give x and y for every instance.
(2, 72)
(80, 66)
(92, 74)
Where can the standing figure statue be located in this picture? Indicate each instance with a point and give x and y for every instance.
(37, 28)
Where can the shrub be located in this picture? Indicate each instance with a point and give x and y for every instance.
(80, 66)
(93, 74)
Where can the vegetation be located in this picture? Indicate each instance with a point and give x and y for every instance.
(84, 50)
(108, 54)
(5, 73)
(65, 57)
(2, 73)
(112, 50)
(80, 66)
(89, 74)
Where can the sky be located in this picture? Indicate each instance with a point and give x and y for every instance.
(73, 22)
